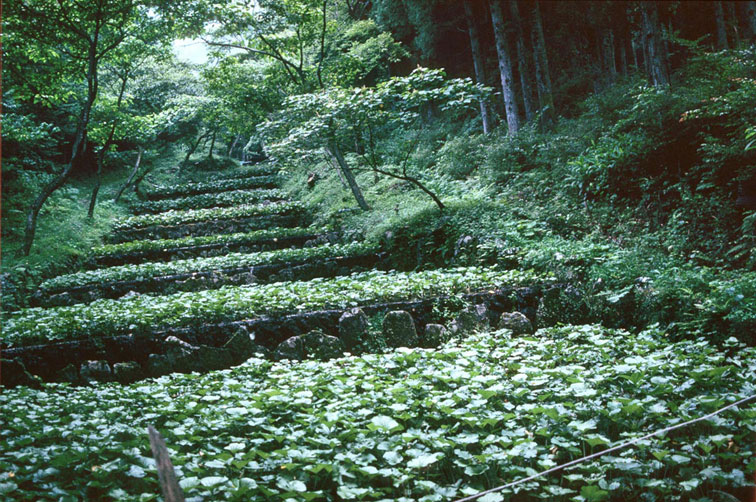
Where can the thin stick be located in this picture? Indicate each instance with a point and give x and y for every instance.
(166, 475)
(604, 452)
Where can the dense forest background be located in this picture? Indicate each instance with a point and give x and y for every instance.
(622, 131)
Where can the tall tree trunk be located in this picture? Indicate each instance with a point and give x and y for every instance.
(505, 67)
(749, 20)
(631, 47)
(608, 57)
(654, 55)
(133, 173)
(77, 147)
(96, 189)
(193, 148)
(524, 65)
(212, 145)
(109, 141)
(623, 58)
(732, 21)
(719, 19)
(597, 63)
(335, 152)
(233, 145)
(543, 78)
(478, 63)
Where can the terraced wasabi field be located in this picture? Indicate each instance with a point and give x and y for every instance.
(282, 361)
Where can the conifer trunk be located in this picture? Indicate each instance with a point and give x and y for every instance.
(608, 56)
(623, 58)
(543, 79)
(505, 67)
(731, 18)
(653, 48)
(524, 65)
(749, 20)
(721, 27)
(478, 64)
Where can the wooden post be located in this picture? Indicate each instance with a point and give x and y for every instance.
(167, 477)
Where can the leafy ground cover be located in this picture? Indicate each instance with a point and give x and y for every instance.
(228, 261)
(144, 314)
(411, 424)
(234, 172)
(160, 246)
(164, 192)
(207, 214)
(205, 200)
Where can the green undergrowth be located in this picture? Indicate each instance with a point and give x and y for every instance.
(241, 238)
(206, 200)
(631, 200)
(179, 217)
(195, 265)
(213, 186)
(145, 313)
(410, 424)
(64, 234)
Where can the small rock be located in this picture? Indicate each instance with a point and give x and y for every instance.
(516, 322)
(465, 246)
(292, 348)
(399, 329)
(68, 374)
(241, 345)
(434, 336)
(158, 365)
(562, 304)
(209, 359)
(96, 371)
(321, 346)
(14, 373)
(353, 328)
(470, 320)
(178, 353)
(127, 372)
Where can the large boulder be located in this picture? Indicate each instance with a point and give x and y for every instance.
(470, 320)
(127, 372)
(353, 328)
(399, 329)
(516, 322)
(95, 371)
(434, 335)
(315, 344)
(321, 346)
(291, 348)
(183, 357)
